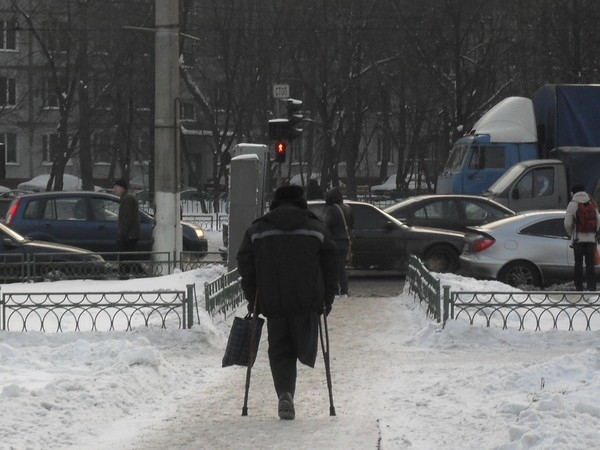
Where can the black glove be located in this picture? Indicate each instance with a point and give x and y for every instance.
(250, 308)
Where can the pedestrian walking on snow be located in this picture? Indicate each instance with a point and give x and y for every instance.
(287, 265)
(339, 222)
(583, 235)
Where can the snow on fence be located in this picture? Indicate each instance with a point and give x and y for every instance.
(520, 310)
(102, 311)
(224, 294)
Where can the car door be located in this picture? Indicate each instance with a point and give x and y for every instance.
(62, 219)
(12, 258)
(551, 249)
(377, 239)
(438, 213)
(104, 218)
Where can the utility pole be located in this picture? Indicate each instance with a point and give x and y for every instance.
(167, 232)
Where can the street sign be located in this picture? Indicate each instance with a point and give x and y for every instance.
(281, 91)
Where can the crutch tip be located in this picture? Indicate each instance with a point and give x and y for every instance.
(332, 411)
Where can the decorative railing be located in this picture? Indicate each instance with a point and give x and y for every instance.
(528, 310)
(223, 295)
(520, 310)
(58, 266)
(423, 285)
(91, 311)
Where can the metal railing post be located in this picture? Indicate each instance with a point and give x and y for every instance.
(190, 305)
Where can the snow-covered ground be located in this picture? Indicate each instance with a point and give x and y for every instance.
(399, 381)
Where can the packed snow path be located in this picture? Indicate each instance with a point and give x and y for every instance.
(394, 387)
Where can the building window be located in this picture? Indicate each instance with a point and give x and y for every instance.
(8, 94)
(384, 152)
(49, 147)
(8, 34)
(10, 147)
(103, 149)
(56, 36)
(50, 98)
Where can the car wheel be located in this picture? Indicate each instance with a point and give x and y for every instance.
(520, 273)
(441, 259)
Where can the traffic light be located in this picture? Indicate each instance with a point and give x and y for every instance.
(278, 129)
(294, 117)
(280, 148)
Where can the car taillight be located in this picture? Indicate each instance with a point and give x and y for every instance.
(12, 212)
(482, 243)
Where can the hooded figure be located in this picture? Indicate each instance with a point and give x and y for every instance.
(287, 264)
(339, 222)
(583, 243)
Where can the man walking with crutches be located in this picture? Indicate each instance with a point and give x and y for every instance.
(287, 261)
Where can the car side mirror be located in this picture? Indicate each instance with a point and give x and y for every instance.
(515, 194)
(389, 226)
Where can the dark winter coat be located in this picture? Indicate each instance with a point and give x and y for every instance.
(289, 257)
(129, 218)
(334, 220)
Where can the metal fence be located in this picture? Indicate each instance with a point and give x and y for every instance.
(115, 265)
(223, 295)
(102, 311)
(520, 310)
(551, 310)
(423, 285)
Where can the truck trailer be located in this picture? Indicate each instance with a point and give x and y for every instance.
(519, 129)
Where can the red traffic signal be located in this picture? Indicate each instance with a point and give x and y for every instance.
(280, 149)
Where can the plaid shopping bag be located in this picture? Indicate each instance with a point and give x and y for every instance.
(238, 344)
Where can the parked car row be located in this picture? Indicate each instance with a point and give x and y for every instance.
(470, 235)
(86, 220)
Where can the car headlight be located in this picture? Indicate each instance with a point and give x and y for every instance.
(199, 232)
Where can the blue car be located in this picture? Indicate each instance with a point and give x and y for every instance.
(87, 220)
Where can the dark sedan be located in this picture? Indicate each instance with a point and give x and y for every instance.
(86, 220)
(22, 259)
(449, 212)
(381, 242)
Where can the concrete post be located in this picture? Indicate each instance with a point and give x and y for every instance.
(167, 232)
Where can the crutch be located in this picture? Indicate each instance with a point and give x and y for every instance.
(326, 359)
(250, 355)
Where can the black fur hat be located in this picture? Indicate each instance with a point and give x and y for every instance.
(292, 194)
(121, 182)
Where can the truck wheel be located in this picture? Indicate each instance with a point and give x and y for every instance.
(520, 273)
(441, 259)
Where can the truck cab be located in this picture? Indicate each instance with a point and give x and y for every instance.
(546, 183)
(505, 135)
(533, 184)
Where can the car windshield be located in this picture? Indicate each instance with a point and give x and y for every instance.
(506, 180)
(7, 232)
(457, 155)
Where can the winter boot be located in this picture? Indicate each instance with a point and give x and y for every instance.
(286, 406)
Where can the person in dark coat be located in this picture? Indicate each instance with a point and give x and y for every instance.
(287, 264)
(128, 225)
(336, 214)
(313, 190)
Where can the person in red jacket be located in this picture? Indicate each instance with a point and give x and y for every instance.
(287, 262)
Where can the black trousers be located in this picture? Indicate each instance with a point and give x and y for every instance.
(584, 251)
(291, 338)
(128, 264)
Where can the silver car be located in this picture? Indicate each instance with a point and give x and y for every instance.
(529, 249)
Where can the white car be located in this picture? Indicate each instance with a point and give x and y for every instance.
(529, 249)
